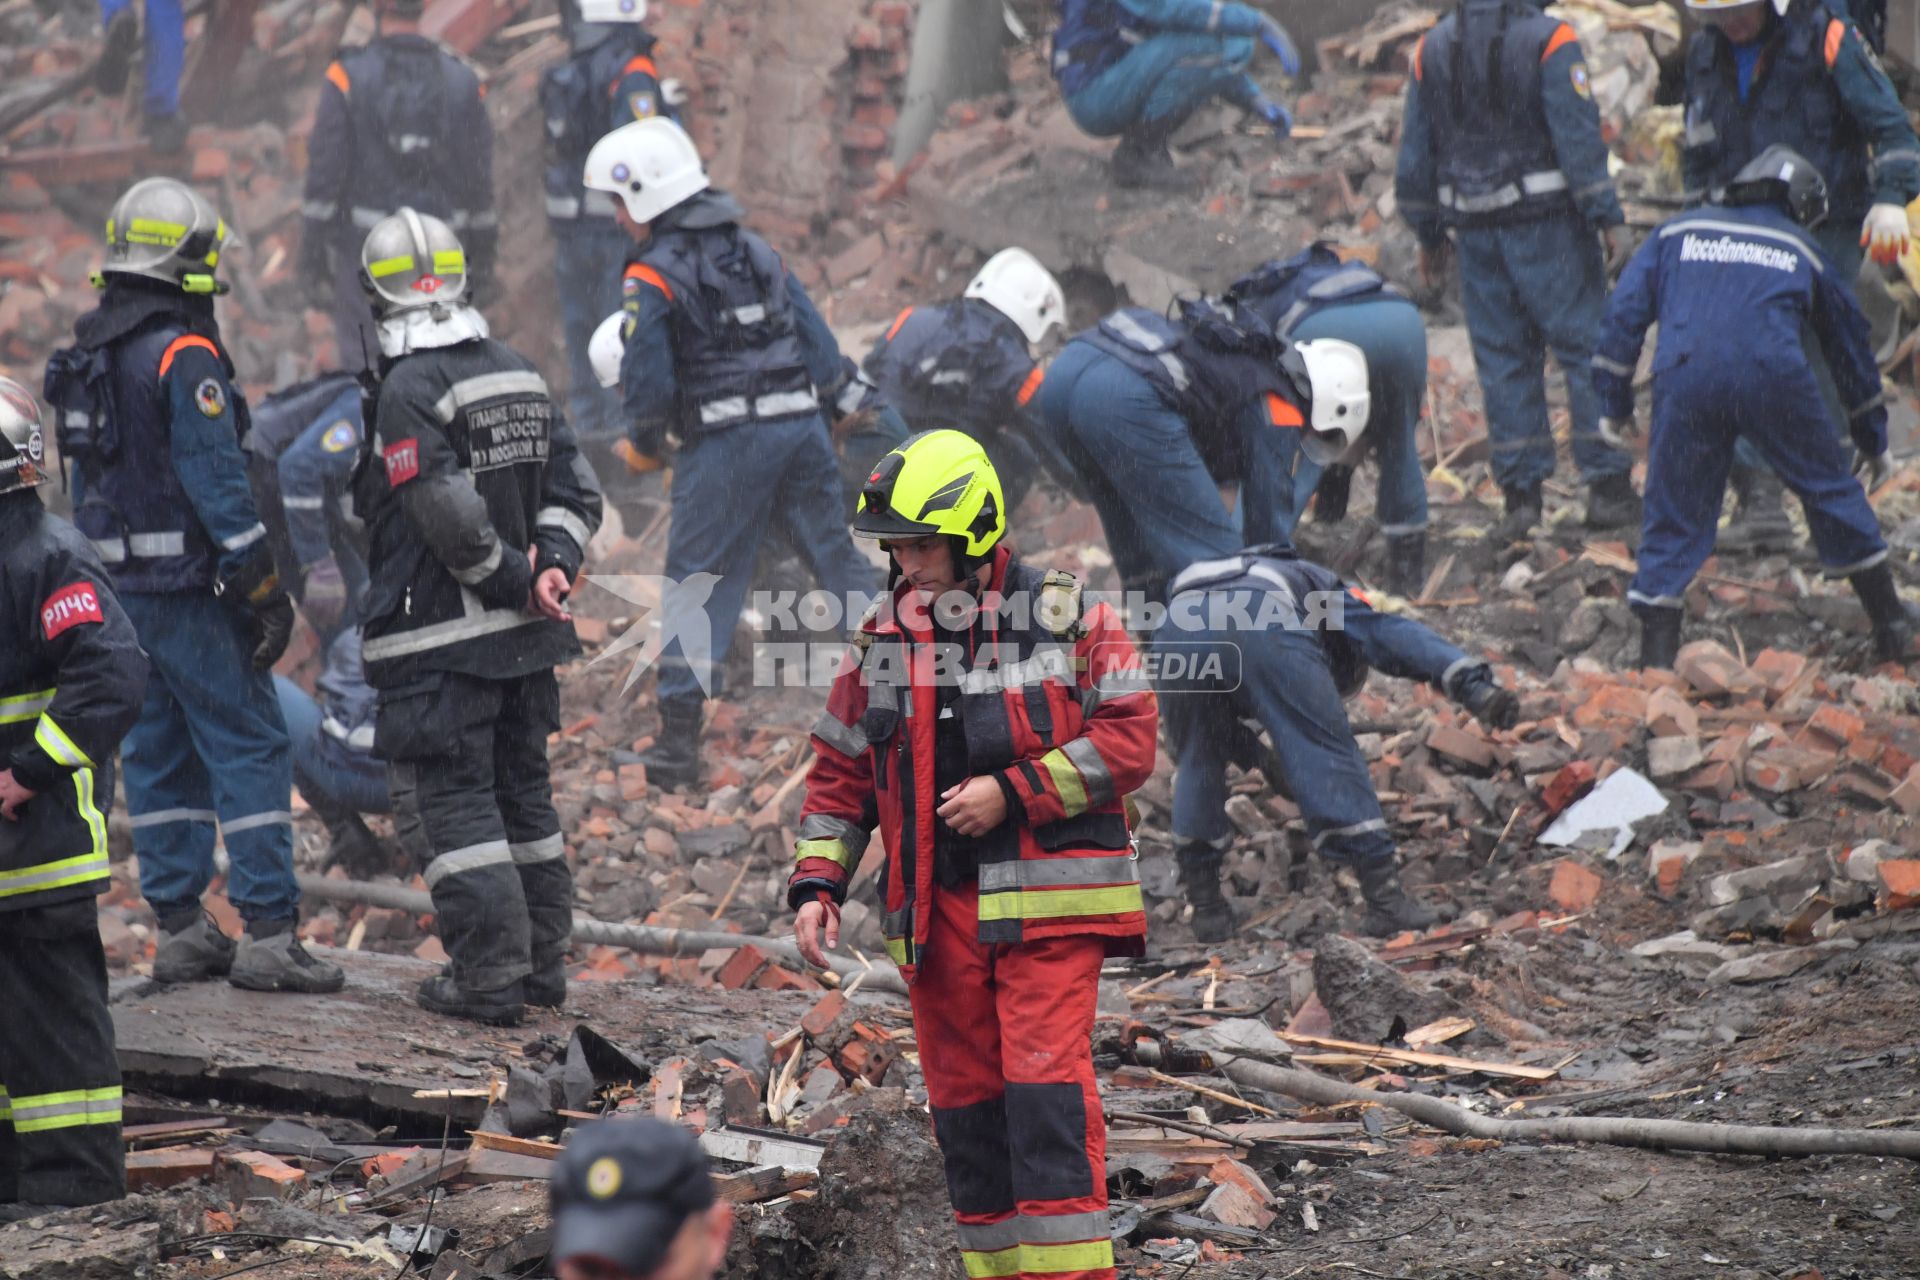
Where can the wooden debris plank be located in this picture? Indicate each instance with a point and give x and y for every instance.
(1415, 1058)
(174, 1130)
(769, 1182)
(762, 1147)
(533, 1147)
(484, 1166)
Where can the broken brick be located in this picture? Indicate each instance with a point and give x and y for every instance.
(1713, 671)
(1778, 669)
(820, 1019)
(744, 966)
(775, 978)
(1783, 769)
(1668, 860)
(1566, 786)
(1831, 728)
(740, 1098)
(1574, 888)
(1670, 716)
(1668, 757)
(1906, 796)
(1900, 877)
(255, 1175)
(1468, 750)
(633, 782)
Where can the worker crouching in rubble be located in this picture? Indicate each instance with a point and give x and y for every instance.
(1266, 634)
(1742, 293)
(1139, 68)
(71, 676)
(990, 730)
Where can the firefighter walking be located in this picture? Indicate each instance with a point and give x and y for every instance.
(71, 678)
(990, 732)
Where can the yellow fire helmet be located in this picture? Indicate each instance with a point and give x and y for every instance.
(936, 482)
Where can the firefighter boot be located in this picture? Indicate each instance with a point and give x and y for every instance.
(503, 1008)
(673, 761)
(270, 958)
(1612, 503)
(1390, 908)
(1760, 520)
(1892, 620)
(1523, 513)
(1213, 918)
(1659, 636)
(548, 885)
(192, 949)
(1407, 564)
(116, 53)
(1142, 162)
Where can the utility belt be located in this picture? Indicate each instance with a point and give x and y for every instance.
(1529, 196)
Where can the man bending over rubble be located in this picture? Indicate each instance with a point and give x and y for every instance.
(981, 734)
(1306, 643)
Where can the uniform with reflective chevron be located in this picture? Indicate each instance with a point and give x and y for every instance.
(992, 747)
(479, 510)
(71, 674)
(151, 425)
(1500, 147)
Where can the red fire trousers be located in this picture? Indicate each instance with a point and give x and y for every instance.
(1005, 1033)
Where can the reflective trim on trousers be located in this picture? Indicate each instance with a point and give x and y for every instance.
(1355, 829)
(440, 634)
(1053, 873)
(37, 1113)
(471, 858)
(57, 875)
(545, 849)
(1858, 566)
(270, 818)
(161, 817)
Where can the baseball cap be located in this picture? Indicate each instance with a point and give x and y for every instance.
(622, 1189)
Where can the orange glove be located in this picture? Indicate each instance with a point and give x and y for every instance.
(637, 462)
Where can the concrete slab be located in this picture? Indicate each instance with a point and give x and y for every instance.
(368, 1050)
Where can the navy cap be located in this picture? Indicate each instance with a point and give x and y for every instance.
(622, 1189)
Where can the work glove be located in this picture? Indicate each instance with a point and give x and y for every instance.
(637, 462)
(1436, 264)
(315, 269)
(325, 595)
(1872, 468)
(1275, 37)
(673, 92)
(1617, 240)
(1491, 705)
(1618, 431)
(1274, 114)
(254, 586)
(1884, 234)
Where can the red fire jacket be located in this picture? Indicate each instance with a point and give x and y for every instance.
(1055, 704)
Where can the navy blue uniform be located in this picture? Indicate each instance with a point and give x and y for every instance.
(71, 674)
(965, 366)
(725, 350)
(1741, 293)
(584, 98)
(1315, 295)
(1153, 422)
(302, 450)
(152, 424)
(401, 123)
(1288, 639)
(1810, 83)
(1125, 64)
(1509, 157)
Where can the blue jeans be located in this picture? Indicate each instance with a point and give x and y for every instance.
(1530, 288)
(333, 778)
(1160, 507)
(1281, 479)
(587, 257)
(166, 40)
(1698, 413)
(727, 487)
(209, 746)
(1286, 684)
(1163, 80)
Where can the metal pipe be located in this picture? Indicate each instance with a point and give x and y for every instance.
(647, 939)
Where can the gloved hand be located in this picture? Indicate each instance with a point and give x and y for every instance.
(325, 595)
(255, 587)
(673, 92)
(1275, 37)
(315, 269)
(1274, 114)
(1884, 233)
(1873, 468)
(1491, 705)
(1331, 494)
(1436, 264)
(1618, 431)
(1618, 243)
(637, 462)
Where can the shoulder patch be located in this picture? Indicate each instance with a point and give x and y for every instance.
(403, 460)
(70, 606)
(1578, 74)
(210, 397)
(1059, 607)
(340, 437)
(642, 106)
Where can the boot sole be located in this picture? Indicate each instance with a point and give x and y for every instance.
(492, 1017)
(307, 987)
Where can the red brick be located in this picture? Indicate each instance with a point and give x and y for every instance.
(1906, 796)
(386, 1162)
(1461, 747)
(1611, 702)
(1566, 786)
(1900, 876)
(1778, 669)
(821, 1017)
(1713, 671)
(1830, 728)
(778, 979)
(1670, 716)
(255, 1175)
(1574, 888)
(633, 782)
(744, 966)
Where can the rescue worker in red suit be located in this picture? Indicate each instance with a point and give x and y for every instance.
(990, 730)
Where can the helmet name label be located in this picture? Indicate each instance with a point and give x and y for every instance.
(69, 607)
